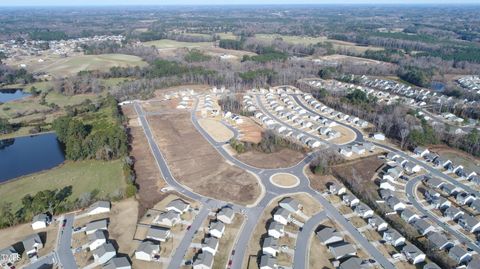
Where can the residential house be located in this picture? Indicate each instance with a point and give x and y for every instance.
(210, 244)
(328, 235)
(385, 184)
(96, 239)
(439, 241)
(395, 203)
(459, 255)
(409, 216)
(169, 218)
(104, 253)
(413, 254)
(369, 146)
(475, 205)
(423, 227)
(385, 194)
(345, 151)
(430, 157)
(40, 221)
(99, 207)
(95, 226)
(431, 266)
(159, 234)
(268, 262)
(350, 200)
(337, 189)
(118, 263)
(393, 173)
(270, 246)
(441, 203)
(454, 213)
(353, 263)
(469, 223)
(358, 149)
(281, 215)
(8, 255)
(431, 195)
(474, 263)
(276, 229)
(226, 215)
(464, 198)
(32, 244)
(204, 260)
(147, 251)
(342, 250)
(378, 223)
(216, 229)
(379, 136)
(420, 151)
(393, 237)
(290, 204)
(392, 155)
(433, 182)
(450, 189)
(412, 167)
(440, 162)
(363, 211)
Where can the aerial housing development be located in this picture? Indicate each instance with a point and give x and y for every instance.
(212, 137)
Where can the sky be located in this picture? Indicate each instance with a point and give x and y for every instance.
(218, 2)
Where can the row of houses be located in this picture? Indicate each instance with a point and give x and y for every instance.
(216, 229)
(446, 164)
(470, 83)
(357, 149)
(322, 108)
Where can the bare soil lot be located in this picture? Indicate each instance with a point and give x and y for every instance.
(346, 136)
(360, 169)
(123, 219)
(250, 130)
(148, 176)
(319, 182)
(196, 164)
(216, 130)
(285, 180)
(280, 159)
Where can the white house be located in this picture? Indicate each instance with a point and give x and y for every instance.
(270, 246)
(413, 254)
(178, 206)
(96, 239)
(346, 151)
(226, 215)
(104, 253)
(147, 250)
(40, 221)
(379, 136)
(32, 244)
(96, 225)
(159, 234)
(210, 244)
(216, 229)
(282, 216)
(169, 218)
(290, 204)
(99, 208)
(204, 260)
(276, 230)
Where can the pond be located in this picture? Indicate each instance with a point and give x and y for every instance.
(438, 86)
(7, 95)
(25, 155)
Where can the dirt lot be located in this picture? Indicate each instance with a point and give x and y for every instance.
(216, 130)
(280, 159)
(346, 136)
(250, 131)
(319, 256)
(207, 173)
(123, 218)
(148, 178)
(319, 182)
(362, 169)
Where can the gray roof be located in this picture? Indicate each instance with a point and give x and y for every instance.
(326, 233)
(270, 242)
(437, 239)
(30, 241)
(267, 260)
(205, 258)
(170, 215)
(393, 234)
(117, 262)
(104, 249)
(474, 263)
(341, 249)
(288, 201)
(376, 220)
(8, 251)
(148, 247)
(456, 253)
(210, 242)
(103, 204)
(98, 234)
(226, 211)
(412, 250)
(158, 232)
(469, 220)
(178, 204)
(431, 266)
(217, 225)
(282, 212)
(422, 225)
(351, 263)
(40, 217)
(392, 201)
(407, 214)
(97, 225)
(385, 194)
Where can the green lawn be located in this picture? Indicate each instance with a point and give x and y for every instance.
(172, 44)
(228, 35)
(291, 39)
(64, 100)
(84, 176)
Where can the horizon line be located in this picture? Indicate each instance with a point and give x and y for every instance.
(248, 4)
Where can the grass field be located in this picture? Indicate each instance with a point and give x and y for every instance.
(172, 44)
(60, 67)
(84, 176)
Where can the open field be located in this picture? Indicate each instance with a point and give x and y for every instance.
(207, 173)
(148, 177)
(123, 219)
(64, 66)
(319, 182)
(346, 135)
(172, 44)
(319, 256)
(250, 131)
(282, 158)
(362, 169)
(216, 129)
(84, 176)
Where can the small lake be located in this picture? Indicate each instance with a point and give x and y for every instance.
(7, 95)
(25, 155)
(438, 86)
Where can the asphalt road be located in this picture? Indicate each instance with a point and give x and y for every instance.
(64, 251)
(302, 250)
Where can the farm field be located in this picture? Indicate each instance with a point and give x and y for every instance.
(61, 67)
(172, 44)
(83, 176)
